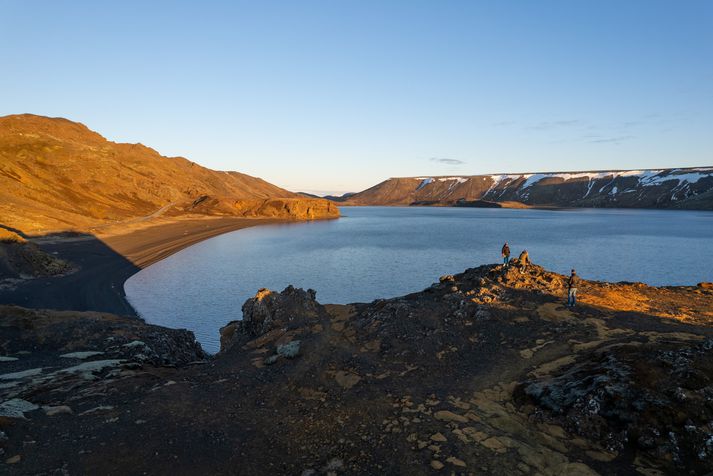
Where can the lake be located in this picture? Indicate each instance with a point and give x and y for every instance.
(381, 252)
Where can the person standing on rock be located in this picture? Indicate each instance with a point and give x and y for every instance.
(524, 261)
(572, 289)
(506, 254)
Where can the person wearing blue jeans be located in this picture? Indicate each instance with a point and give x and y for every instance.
(506, 254)
(572, 289)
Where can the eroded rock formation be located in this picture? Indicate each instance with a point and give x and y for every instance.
(275, 319)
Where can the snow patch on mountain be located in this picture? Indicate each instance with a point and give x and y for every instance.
(645, 178)
(424, 182)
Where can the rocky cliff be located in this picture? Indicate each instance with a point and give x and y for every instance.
(484, 372)
(690, 188)
(56, 174)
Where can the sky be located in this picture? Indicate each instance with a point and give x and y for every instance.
(336, 96)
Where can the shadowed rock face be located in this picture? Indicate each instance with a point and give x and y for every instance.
(57, 174)
(20, 259)
(688, 188)
(657, 399)
(485, 372)
(43, 332)
(269, 310)
(271, 314)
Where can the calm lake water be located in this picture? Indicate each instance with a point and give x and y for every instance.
(380, 252)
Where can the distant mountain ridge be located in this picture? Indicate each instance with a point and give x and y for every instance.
(56, 174)
(334, 198)
(681, 188)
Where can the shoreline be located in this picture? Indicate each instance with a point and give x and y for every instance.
(110, 256)
(529, 207)
(106, 260)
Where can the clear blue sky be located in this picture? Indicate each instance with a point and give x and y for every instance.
(338, 95)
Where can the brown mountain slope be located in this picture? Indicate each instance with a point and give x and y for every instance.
(684, 188)
(56, 174)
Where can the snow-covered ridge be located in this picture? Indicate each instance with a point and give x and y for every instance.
(646, 178)
(443, 179)
(427, 180)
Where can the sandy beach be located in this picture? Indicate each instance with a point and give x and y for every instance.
(109, 257)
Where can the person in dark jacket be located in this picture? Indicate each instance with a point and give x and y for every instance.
(572, 289)
(524, 260)
(506, 254)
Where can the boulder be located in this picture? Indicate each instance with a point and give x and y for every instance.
(270, 312)
(653, 398)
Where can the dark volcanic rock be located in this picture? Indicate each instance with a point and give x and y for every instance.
(271, 311)
(22, 259)
(656, 399)
(44, 331)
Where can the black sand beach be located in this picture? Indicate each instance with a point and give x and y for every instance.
(108, 259)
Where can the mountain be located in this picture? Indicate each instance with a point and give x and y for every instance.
(335, 198)
(339, 198)
(686, 188)
(56, 174)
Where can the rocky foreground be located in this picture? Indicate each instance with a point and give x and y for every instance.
(485, 372)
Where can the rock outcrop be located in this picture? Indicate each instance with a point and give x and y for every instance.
(43, 332)
(20, 259)
(684, 188)
(656, 399)
(290, 208)
(270, 316)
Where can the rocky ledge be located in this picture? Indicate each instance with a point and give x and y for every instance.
(281, 208)
(484, 372)
(21, 260)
